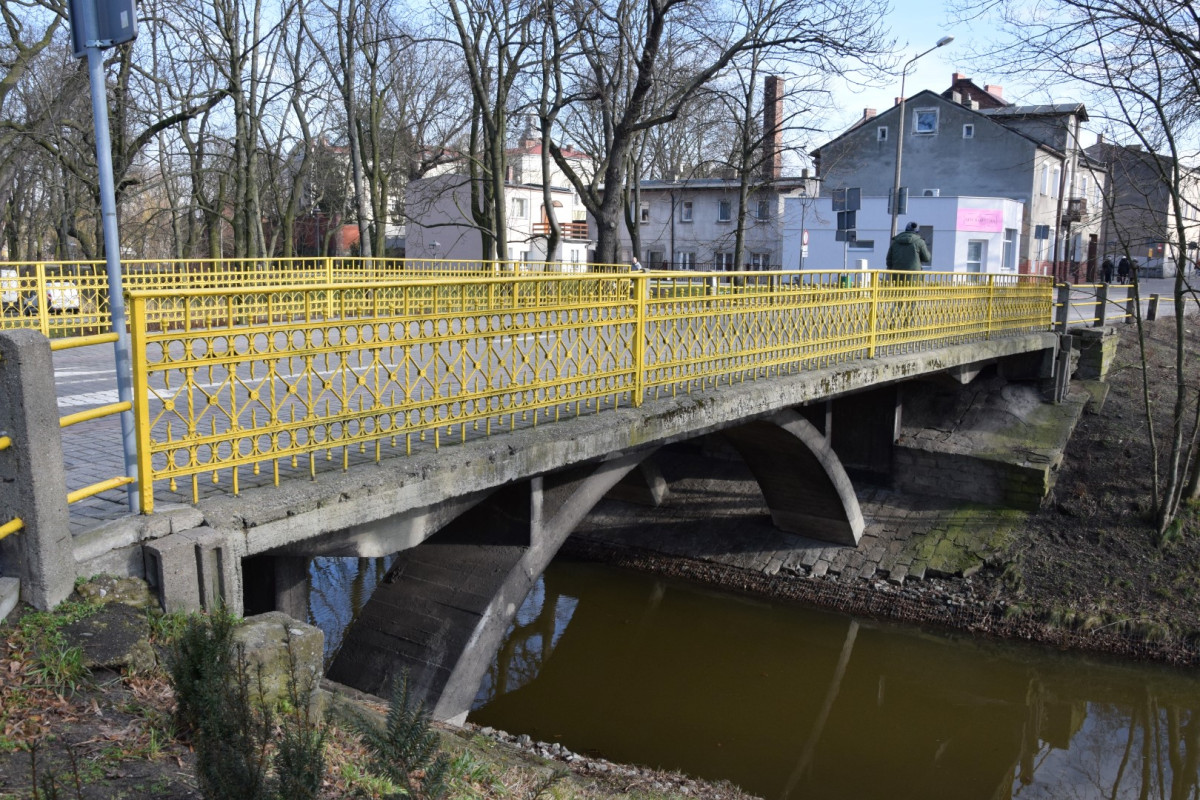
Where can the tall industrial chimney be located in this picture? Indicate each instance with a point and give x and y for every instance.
(772, 128)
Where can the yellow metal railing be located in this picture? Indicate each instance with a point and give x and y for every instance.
(70, 299)
(277, 377)
(1092, 303)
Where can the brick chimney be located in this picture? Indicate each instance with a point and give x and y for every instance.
(956, 77)
(992, 88)
(868, 113)
(772, 127)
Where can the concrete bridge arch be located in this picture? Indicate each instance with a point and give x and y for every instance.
(446, 605)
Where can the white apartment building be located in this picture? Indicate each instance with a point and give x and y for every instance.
(964, 234)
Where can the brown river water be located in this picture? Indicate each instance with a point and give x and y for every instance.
(789, 702)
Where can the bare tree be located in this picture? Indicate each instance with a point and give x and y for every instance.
(622, 74)
(1139, 60)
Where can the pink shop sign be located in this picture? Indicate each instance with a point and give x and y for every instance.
(989, 220)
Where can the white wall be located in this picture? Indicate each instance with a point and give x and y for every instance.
(439, 210)
(949, 244)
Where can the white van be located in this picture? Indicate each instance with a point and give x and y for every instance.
(63, 296)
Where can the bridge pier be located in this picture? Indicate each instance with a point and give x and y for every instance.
(445, 606)
(806, 488)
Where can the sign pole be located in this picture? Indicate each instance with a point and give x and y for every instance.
(89, 27)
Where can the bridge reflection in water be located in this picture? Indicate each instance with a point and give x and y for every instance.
(793, 703)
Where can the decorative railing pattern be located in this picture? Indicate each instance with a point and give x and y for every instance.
(65, 299)
(278, 377)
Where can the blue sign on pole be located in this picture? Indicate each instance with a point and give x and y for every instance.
(101, 23)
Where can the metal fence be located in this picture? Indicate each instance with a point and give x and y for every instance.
(277, 377)
(69, 299)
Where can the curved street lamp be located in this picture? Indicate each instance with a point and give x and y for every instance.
(942, 42)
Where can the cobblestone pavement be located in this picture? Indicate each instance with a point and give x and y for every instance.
(715, 512)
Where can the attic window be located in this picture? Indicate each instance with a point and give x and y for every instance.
(925, 120)
(881, 133)
(968, 131)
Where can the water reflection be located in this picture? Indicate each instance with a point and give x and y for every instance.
(790, 703)
(338, 589)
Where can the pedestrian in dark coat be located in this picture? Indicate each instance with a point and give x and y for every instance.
(1123, 269)
(1106, 270)
(908, 250)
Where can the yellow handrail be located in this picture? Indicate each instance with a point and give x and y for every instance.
(281, 375)
(11, 527)
(93, 413)
(97, 488)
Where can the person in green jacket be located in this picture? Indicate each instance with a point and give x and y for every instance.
(908, 250)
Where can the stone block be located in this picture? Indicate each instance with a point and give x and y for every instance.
(188, 570)
(272, 644)
(1097, 348)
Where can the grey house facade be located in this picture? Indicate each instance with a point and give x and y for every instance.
(1143, 212)
(1029, 154)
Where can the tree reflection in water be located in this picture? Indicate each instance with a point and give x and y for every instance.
(337, 590)
(792, 704)
(530, 640)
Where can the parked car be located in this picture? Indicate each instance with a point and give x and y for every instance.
(61, 297)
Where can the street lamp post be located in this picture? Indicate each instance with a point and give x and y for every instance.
(942, 42)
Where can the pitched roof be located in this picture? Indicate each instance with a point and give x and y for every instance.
(1045, 110)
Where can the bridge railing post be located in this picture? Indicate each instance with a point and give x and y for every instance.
(1101, 305)
(141, 412)
(1063, 307)
(873, 324)
(991, 305)
(641, 288)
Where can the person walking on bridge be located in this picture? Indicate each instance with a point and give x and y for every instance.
(907, 253)
(908, 250)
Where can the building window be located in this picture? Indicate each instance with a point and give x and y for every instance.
(685, 211)
(968, 131)
(655, 259)
(862, 244)
(685, 259)
(724, 210)
(1010, 249)
(724, 261)
(976, 255)
(925, 120)
(760, 260)
(1055, 177)
(764, 209)
(881, 134)
(645, 212)
(1083, 186)
(1045, 179)
(520, 209)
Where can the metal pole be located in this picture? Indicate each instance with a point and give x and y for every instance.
(899, 151)
(945, 40)
(112, 254)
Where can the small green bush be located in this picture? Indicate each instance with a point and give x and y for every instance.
(231, 731)
(408, 744)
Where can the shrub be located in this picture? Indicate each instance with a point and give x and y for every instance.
(231, 731)
(406, 745)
